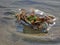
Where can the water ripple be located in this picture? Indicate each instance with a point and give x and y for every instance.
(2, 6)
(33, 2)
(24, 2)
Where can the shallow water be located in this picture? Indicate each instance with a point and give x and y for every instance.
(8, 26)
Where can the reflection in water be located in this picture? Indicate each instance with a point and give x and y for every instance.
(19, 27)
